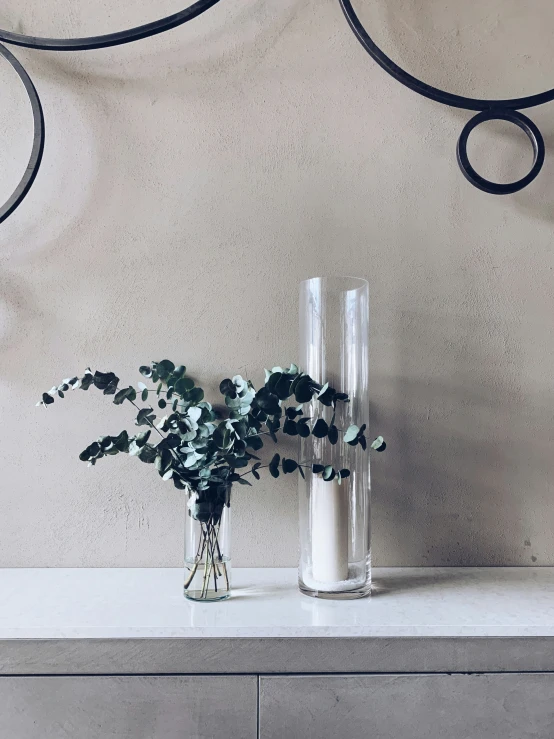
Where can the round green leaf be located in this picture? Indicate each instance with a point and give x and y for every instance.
(227, 387)
(274, 465)
(196, 395)
(303, 390)
(290, 427)
(320, 429)
(254, 442)
(183, 385)
(351, 434)
(289, 465)
(379, 445)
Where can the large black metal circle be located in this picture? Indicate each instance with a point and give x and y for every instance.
(527, 125)
(38, 139)
(76, 44)
(109, 39)
(434, 93)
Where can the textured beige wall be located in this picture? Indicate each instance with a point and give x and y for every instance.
(191, 180)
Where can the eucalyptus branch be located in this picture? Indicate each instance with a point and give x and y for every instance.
(201, 453)
(174, 452)
(149, 422)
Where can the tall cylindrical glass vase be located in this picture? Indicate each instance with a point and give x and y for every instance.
(335, 516)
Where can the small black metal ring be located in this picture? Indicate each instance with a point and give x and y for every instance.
(38, 139)
(109, 39)
(526, 125)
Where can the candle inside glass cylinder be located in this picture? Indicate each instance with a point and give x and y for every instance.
(329, 531)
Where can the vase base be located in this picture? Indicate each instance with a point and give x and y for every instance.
(361, 592)
(209, 581)
(196, 595)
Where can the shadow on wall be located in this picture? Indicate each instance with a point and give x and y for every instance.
(83, 174)
(465, 454)
(541, 208)
(484, 48)
(221, 39)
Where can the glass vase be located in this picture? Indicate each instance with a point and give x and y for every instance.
(207, 550)
(335, 517)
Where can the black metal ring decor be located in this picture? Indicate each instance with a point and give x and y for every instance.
(38, 139)
(491, 109)
(77, 44)
(109, 39)
(513, 116)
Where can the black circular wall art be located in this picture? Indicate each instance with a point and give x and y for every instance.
(489, 109)
(109, 39)
(533, 134)
(77, 44)
(38, 139)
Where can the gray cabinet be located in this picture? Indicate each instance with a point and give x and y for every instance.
(432, 706)
(137, 707)
(494, 706)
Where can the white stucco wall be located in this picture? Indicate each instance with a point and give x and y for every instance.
(191, 180)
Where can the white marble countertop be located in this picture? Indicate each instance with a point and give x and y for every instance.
(148, 603)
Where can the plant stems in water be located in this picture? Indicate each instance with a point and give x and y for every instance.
(209, 557)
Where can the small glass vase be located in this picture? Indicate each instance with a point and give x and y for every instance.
(207, 551)
(335, 516)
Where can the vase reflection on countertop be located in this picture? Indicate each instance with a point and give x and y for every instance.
(327, 613)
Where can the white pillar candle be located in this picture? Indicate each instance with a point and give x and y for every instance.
(329, 531)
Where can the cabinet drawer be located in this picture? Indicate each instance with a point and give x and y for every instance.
(182, 707)
(496, 706)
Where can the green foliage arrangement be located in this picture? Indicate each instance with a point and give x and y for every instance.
(203, 453)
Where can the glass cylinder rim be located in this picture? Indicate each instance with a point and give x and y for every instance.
(342, 282)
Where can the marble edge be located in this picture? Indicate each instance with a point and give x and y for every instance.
(28, 657)
(193, 634)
